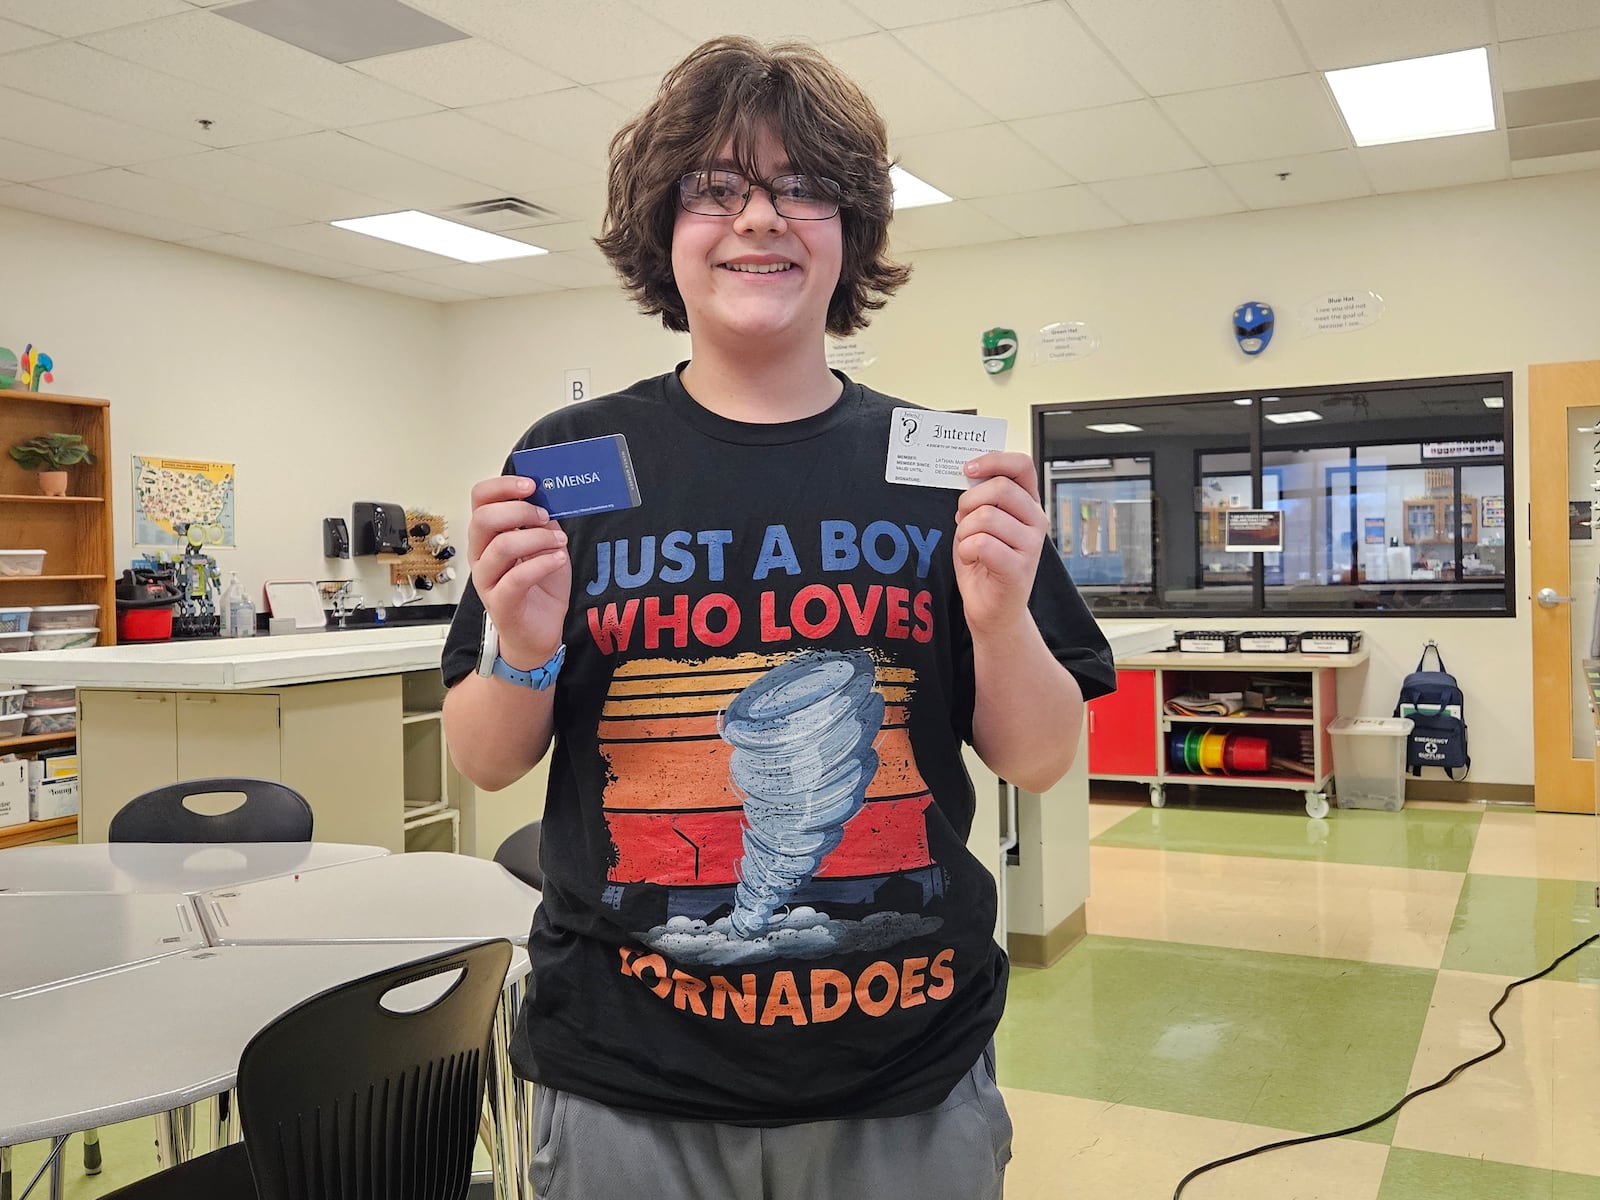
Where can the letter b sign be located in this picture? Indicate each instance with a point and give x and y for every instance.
(578, 385)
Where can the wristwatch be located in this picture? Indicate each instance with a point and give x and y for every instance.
(491, 665)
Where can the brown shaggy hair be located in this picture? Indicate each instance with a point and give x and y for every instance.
(731, 89)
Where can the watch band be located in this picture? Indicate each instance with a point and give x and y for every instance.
(539, 678)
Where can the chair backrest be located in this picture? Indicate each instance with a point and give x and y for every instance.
(519, 854)
(271, 812)
(341, 1098)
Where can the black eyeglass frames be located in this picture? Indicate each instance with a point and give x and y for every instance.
(725, 194)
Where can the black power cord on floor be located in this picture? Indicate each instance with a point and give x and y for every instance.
(1404, 1100)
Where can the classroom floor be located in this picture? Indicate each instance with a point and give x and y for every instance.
(1252, 975)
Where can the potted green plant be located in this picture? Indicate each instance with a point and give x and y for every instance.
(51, 455)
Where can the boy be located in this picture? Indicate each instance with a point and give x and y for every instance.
(764, 963)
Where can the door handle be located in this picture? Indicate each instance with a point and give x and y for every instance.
(1548, 597)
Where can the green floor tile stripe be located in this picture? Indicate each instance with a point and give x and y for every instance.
(1509, 926)
(1424, 839)
(1287, 1041)
(1417, 1175)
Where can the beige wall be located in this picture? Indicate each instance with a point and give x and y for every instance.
(1488, 278)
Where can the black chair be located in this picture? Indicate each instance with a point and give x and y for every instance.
(343, 1098)
(271, 812)
(519, 854)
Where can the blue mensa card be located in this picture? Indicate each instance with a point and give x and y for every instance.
(574, 479)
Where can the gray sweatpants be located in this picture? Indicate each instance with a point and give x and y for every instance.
(957, 1151)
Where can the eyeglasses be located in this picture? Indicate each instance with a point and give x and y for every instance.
(725, 193)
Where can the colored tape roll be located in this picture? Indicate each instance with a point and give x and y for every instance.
(1211, 751)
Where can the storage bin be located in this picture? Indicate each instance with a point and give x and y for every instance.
(11, 643)
(15, 620)
(13, 700)
(54, 798)
(1369, 762)
(1206, 641)
(64, 639)
(49, 720)
(13, 792)
(1330, 641)
(1269, 641)
(64, 616)
(42, 695)
(14, 724)
(21, 562)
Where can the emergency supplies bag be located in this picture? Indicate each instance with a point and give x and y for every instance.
(1436, 706)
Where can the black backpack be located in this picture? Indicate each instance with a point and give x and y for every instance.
(1437, 709)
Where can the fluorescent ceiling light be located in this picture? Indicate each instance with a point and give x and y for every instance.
(1438, 96)
(437, 236)
(1292, 418)
(911, 192)
(1117, 427)
(1244, 402)
(1494, 402)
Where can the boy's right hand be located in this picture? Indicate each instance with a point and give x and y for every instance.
(520, 569)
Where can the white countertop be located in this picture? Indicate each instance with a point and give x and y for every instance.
(228, 664)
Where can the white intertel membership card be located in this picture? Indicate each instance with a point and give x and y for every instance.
(929, 448)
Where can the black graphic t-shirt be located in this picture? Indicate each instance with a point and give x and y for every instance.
(759, 905)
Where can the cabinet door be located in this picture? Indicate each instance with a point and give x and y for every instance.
(1123, 727)
(127, 744)
(227, 733)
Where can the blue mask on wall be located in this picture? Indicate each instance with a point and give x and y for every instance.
(1252, 325)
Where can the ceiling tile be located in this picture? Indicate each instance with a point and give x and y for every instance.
(341, 245)
(1534, 18)
(474, 150)
(60, 127)
(484, 279)
(577, 122)
(74, 74)
(123, 188)
(458, 74)
(248, 179)
(88, 212)
(943, 225)
(892, 14)
(565, 235)
(20, 37)
(238, 246)
(1023, 62)
(1437, 162)
(399, 181)
(589, 42)
(1252, 121)
(987, 161)
(1183, 46)
(1112, 142)
(1587, 161)
(1354, 33)
(815, 21)
(1174, 197)
(1313, 179)
(74, 18)
(24, 164)
(419, 289)
(909, 95)
(562, 270)
(1054, 210)
(633, 94)
(238, 61)
(1549, 61)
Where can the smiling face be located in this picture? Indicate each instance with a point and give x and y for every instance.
(756, 277)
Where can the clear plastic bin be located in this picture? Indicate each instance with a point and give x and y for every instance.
(63, 639)
(12, 643)
(63, 616)
(21, 562)
(15, 619)
(14, 700)
(1369, 762)
(13, 725)
(49, 720)
(47, 695)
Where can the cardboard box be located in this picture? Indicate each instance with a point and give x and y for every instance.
(14, 792)
(54, 798)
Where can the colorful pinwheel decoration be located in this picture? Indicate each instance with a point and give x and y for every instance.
(34, 368)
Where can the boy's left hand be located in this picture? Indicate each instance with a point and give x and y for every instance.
(1000, 531)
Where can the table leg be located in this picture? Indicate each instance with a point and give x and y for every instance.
(174, 1137)
(5, 1173)
(58, 1181)
(510, 1102)
(224, 1120)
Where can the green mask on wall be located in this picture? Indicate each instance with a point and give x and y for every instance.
(999, 350)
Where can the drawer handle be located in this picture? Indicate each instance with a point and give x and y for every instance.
(149, 699)
(199, 699)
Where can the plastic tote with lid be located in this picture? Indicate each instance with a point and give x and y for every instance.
(1369, 762)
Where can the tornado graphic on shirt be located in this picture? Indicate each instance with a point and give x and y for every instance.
(776, 798)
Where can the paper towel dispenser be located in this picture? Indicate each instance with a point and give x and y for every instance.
(377, 528)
